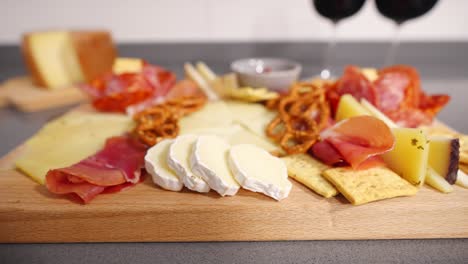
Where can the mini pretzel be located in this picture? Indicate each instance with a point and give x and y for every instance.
(304, 112)
(160, 121)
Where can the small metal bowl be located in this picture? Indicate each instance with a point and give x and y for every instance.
(273, 73)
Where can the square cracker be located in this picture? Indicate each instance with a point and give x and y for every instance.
(363, 186)
(307, 170)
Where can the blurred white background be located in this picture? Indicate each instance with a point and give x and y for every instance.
(223, 20)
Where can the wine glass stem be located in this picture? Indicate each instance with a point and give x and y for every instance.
(329, 53)
(395, 43)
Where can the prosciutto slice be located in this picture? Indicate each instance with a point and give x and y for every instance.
(355, 140)
(116, 166)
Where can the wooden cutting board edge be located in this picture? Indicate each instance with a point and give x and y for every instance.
(23, 95)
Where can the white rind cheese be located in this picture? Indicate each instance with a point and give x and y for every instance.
(178, 160)
(156, 166)
(258, 171)
(208, 159)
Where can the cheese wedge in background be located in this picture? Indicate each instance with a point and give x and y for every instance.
(209, 160)
(258, 171)
(178, 161)
(127, 65)
(58, 59)
(68, 140)
(410, 155)
(156, 166)
(348, 107)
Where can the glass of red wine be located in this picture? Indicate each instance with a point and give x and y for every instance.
(401, 11)
(335, 10)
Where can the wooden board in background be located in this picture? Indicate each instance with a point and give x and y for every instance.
(24, 95)
(29, 213)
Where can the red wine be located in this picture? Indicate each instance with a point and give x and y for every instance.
(338, 9)
(402, 10)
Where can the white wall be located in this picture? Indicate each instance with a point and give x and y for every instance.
(223, 20)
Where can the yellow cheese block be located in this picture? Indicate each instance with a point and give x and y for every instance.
(56, 59)
(127, 65)
(349, 107)
(409, 157)
(69, 139)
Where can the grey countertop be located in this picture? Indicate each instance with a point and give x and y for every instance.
(443, 69)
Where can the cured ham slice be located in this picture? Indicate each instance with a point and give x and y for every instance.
(115, 92)
(183, 88)
(356, 139)
(352, 82)
(116, 166)
(396, 92)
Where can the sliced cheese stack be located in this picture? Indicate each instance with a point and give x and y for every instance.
(178, 160)
(208, 160)
(58, 59)
(156, 165)
(257, 170)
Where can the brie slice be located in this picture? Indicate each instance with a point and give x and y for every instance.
(156, 165)
(178, 160)
(208, 159)
(258, 171)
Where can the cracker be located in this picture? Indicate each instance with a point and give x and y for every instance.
(364, 186)
(307, 170)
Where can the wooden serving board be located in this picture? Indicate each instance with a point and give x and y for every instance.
(25, 96)
(29, 213)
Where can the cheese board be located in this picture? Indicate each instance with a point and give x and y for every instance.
(21, 93)
(229, 162)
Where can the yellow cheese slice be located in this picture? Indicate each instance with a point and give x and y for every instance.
(69, 139)
(409, 157)
(127, 65)
(349, 107)
(244, 136)
(213, 114)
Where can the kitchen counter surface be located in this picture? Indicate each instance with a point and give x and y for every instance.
(443, 69)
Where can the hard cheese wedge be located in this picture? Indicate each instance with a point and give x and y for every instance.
(258, 171)
(363, 186)
(308, 171)
(410, 155)
(156, 166)
(209, 160)
(349, 107)
(178, 160)
(444, 156)
(68, 140)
